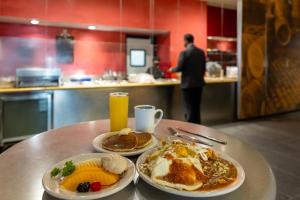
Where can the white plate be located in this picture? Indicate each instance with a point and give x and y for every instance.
(98, 147)
(233, 186)
(52, 187)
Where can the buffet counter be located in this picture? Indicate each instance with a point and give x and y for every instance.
(111, 84)
(39, 109)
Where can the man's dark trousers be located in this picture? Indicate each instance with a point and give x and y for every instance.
(192, 104)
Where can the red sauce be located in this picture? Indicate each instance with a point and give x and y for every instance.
(169, 156)
(183, 173)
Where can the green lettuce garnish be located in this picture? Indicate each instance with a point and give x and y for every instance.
(67, 170)
(55, 172)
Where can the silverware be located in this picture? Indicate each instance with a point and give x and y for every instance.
(187, 137)
(203, 136)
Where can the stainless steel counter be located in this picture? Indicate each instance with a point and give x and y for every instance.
(110, 84)
(74, 104)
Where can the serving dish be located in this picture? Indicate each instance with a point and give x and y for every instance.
(240, 177)
(97, 144)
(52, 186)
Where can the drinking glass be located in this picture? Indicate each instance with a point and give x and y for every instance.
(118, 110)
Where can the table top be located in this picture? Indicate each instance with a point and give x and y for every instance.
(23, 165)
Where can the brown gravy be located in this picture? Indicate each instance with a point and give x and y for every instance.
(218, 176)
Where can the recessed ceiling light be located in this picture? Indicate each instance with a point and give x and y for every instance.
(92, 27)
(34, 21)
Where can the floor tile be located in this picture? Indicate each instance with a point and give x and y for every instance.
(278, 139)
(295, 198)
(286, 183)
(281, 196)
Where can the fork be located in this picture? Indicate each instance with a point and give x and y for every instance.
(187, 137)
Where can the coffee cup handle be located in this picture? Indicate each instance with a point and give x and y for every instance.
(160, 116)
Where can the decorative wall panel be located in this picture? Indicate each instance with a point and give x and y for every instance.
(270, 80)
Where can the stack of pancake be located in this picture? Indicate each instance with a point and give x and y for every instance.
(127, 142)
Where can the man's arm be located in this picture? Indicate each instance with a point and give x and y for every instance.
(180, 64)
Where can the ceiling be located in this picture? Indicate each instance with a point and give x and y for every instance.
(231, 4)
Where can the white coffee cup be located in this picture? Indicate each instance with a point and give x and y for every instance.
(145, 118)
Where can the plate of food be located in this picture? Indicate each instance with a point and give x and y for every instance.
(88, 176)
(125, 142)
(190, 170)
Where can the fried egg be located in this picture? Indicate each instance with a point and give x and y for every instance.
(178, 167)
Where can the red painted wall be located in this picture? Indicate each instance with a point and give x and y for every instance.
(94, 51)
(28, 45)
(221, 22)
(188, 16)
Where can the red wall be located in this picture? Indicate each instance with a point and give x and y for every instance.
(94, 50)
(221, 22)
(190, 17)
(216, 16)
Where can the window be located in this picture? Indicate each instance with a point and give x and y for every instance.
(137, 58)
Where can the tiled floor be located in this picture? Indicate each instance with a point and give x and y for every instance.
(278, 139)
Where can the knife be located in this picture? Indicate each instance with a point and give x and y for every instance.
(187, 137)
(203, 136)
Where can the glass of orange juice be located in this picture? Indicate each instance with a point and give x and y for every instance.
(118, 110)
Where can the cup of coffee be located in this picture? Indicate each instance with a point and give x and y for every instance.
(145, 118)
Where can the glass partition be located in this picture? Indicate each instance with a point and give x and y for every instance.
(95, 37)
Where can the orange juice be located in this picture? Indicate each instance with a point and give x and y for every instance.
(118, 110)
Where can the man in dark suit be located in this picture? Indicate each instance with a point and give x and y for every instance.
(191, 64)
(155, 69)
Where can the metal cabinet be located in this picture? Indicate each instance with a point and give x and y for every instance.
(23, 115)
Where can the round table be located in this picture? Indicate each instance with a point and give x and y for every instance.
(23, 165)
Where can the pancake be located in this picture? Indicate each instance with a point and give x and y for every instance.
(143, 139)
(120, 142)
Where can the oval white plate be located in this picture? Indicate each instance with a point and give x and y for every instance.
(98, 147)
(235, 185)
(52, 187)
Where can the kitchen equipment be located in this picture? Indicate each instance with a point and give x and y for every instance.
(80, 78)
(7, 82)
(36, 77)
(23, 115)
